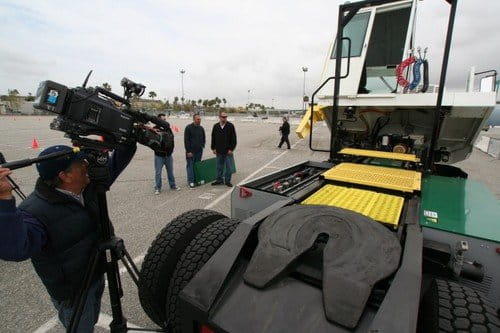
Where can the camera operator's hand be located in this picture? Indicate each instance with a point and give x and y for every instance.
(189, 155)
(214, 151)
(5, 186)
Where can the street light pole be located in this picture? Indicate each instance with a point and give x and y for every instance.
(304, 105)
(248, 98)
(182, 87)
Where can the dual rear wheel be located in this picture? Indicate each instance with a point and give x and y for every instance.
(175, 256)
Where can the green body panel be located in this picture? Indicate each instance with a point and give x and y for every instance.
(206, 171)
(461, 206)
(385, 162)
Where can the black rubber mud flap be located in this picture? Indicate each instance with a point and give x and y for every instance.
(359, 253)
(162, 256)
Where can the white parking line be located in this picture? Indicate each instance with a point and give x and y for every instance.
(105, 319)
(51, 323)
(222, 197)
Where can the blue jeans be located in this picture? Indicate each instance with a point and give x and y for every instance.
(91, 310)
(168, 162)
(190, 165)
(224, 167)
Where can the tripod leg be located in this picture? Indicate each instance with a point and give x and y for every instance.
(130, 266)
(119, 323)
(82, 296)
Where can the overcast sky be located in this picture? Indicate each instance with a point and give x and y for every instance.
(225, 47)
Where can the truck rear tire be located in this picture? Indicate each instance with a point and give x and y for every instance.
(450, 307)
(192, 260)
(162, 256)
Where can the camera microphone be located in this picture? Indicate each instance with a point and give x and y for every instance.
(29, 161)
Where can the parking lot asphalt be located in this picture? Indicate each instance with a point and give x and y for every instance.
(138, 215)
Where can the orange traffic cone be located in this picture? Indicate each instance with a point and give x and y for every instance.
(35, 144)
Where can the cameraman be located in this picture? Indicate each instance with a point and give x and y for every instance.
(57, 227)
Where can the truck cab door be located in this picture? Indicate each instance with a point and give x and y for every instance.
(379, 37)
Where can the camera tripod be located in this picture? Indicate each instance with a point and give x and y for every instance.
(111, 249)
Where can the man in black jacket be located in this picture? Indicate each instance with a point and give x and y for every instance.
(223, 144)
(57, 227)
(194, 142)
(164, 158)
(285, 131)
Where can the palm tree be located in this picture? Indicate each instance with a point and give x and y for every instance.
(224, 101)
(199, 101)
(29, 98)
(13, 92)
(106, 86)
(152, 94)
(176, 103)
(217, 102)
(13, 99)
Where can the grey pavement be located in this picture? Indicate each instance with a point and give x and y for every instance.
(138, 215)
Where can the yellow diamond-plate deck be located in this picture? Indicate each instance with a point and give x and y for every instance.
(381, 207)
(382, 177)
(380, 154)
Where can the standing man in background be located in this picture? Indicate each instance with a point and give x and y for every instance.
(223, 144)
(164, 158)
(194, 142)
(285, 131)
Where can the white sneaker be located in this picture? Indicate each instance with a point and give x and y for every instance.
(191, 185)
(177, 188)
(157, 192)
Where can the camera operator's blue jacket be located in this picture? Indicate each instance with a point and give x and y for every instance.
(56, 232)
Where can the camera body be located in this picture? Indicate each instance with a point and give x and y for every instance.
(83, 112)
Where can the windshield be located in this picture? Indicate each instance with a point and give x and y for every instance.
(355, 30)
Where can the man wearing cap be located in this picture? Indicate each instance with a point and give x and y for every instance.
(56, 226)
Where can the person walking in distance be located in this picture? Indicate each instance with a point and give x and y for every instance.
(164, 158)
(194, 142)
(285, 131)
(223, 145)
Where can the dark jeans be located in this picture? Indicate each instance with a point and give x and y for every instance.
(224, 161)
(284, 138)
(91, 310)
(190, 165)
(168, 163)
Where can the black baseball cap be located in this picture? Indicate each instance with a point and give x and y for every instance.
(50, 169)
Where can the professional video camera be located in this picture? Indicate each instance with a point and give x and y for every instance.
(84, 112)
